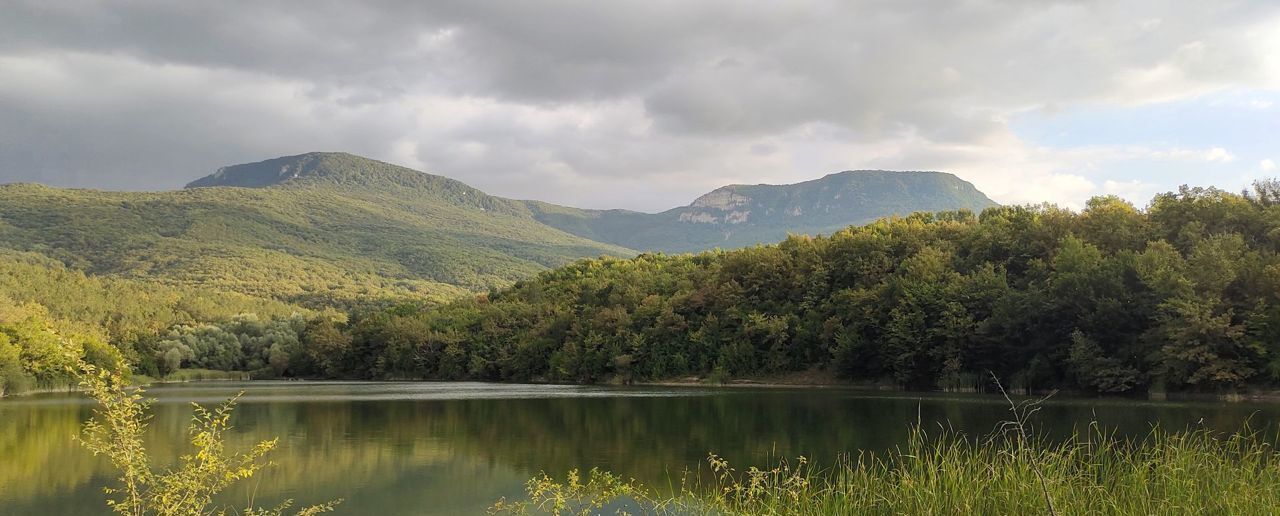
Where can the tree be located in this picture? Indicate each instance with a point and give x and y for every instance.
(326, 347)
(1265, 192)
(1113, 224)
(1095, 370)
(13, 378)
(1205, 348)
(45, 354)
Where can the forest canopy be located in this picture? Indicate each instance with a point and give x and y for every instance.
(1181, 295)
(1184, 295)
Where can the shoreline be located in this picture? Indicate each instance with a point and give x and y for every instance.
(817, 380)
(135, 381)
(822, 380)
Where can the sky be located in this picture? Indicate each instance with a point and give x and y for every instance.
(647, 104)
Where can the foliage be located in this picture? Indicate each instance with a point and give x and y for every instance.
(116, 433)
(34, 354)
(547, 496)
(13, 377)
(124, 309)
(46, 307)
(1182, 295)
(245, 343)
(127, 313)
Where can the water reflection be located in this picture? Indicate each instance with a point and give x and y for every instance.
(451, 448)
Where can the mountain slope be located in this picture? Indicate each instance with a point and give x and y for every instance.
(124, 308)
(742, 215)
(330, 228)
(321, 229)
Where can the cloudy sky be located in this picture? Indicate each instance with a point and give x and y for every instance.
(647, 104)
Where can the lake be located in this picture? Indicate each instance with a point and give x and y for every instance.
(401, 448)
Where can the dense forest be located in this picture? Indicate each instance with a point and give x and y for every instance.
(48, 310)
(36, 354)
(1181, 295)
(1184, 295)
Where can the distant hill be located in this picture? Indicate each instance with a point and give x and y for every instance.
(728, 217)
(742, 215)
(322, 229)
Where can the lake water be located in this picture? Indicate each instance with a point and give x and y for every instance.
(454, 448)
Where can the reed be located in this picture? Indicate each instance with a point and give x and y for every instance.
(1095, 472)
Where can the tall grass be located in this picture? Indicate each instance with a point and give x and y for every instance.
(1192, 472)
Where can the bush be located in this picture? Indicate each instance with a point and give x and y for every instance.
(116, 431)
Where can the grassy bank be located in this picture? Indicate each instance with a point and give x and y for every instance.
(179, 376)
(1165, 473)
(191, 375)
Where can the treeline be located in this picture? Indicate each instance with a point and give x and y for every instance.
(1183, 295)
(50, 313)
(245, 343)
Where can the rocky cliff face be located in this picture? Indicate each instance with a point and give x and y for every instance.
(741, 215)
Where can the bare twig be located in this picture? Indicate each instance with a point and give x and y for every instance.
(1022, 412)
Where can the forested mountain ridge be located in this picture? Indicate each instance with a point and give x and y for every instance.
(158, 275)
(1181, 295)
(741, 215)
(729, 217)
(230, 272)
(347, 229)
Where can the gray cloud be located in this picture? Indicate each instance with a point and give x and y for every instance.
(635, 104)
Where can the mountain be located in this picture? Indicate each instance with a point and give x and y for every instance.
(314, 229)
(742, 215)
(321, 229)
(728, 217)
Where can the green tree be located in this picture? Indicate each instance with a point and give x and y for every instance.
(13, 377)
(1204, 347)
(326, 347)
(1095, 370)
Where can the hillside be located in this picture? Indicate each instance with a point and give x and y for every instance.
(742, 215)
(256, 256)
(325, 229)
(335, 229)
(124, 308)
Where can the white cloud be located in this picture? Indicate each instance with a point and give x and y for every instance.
(1211, 155)
(1219, 155)
(1267, 165)
(1132, 189)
